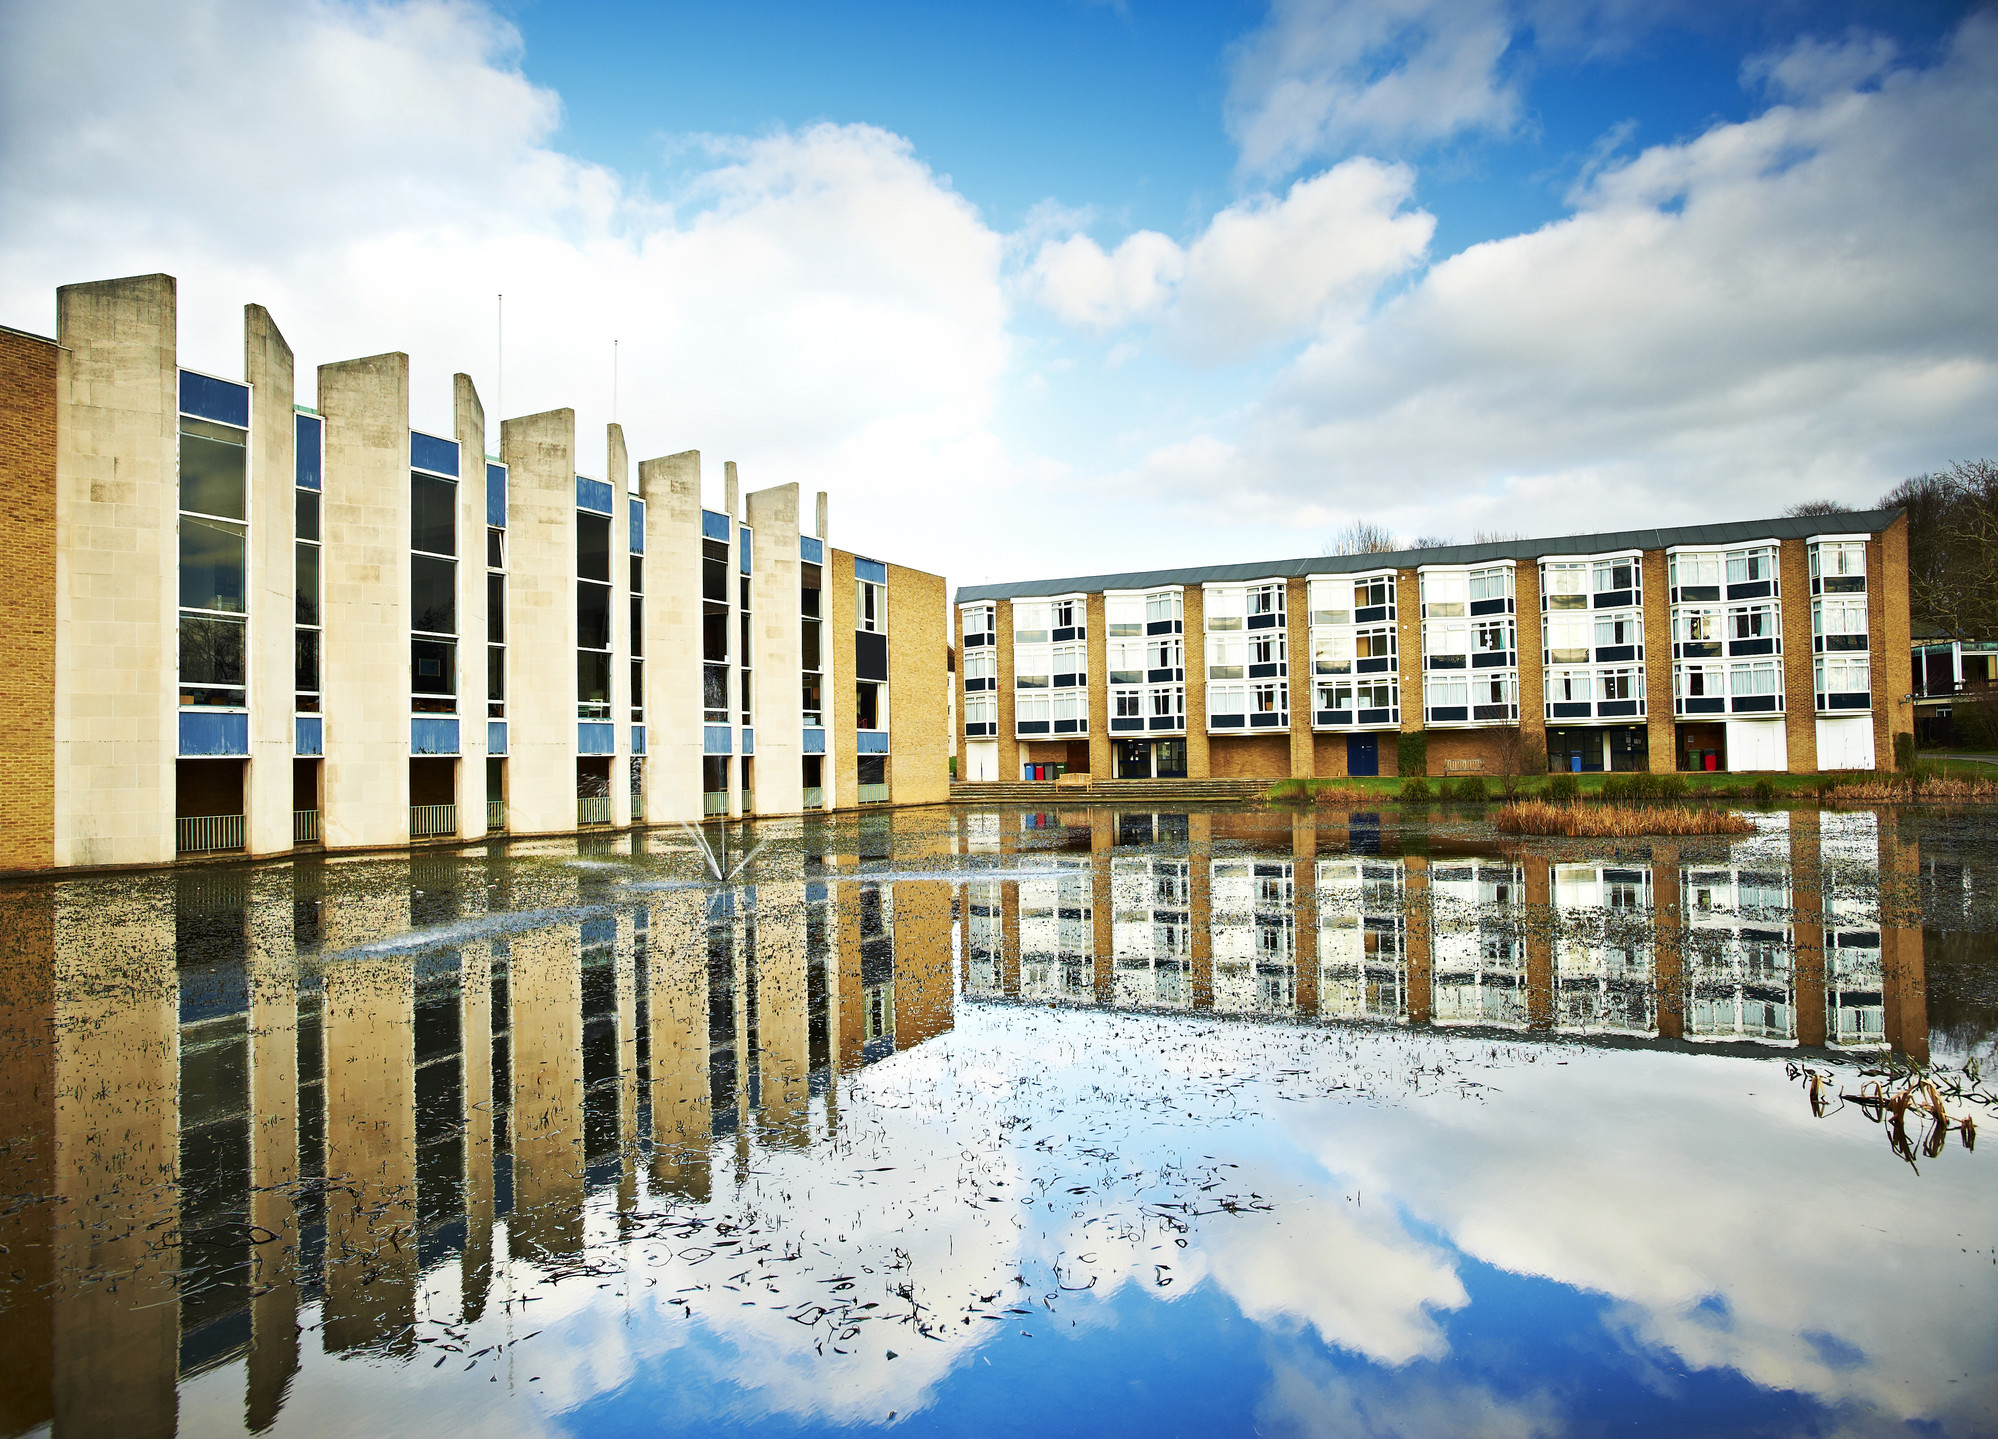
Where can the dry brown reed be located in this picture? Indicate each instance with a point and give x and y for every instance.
(1601, 821)
(1901, 789)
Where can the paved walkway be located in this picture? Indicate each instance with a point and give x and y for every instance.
(1952, 754)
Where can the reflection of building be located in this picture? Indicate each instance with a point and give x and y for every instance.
(1362, 940)
(365, 617)
(1152, 931)
(1777, 644)
(1477, 953)
(1255, 968)
(1058, 934)
(1739, 978)
(1603, 943)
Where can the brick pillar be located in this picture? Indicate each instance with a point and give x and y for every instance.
(1009, 744)
(1421, 971)
(1800, 705)
(1541, 919)
(1200, 881)
(1408, 649)
(1304, 907)
(1661, 735)
(1101, 903)
(1532, 672)
(1903, 979)
(1100, 764)
(1807, 931)
(1195, 610)
(1668, 966)
(1297, 610)
(1887, 626)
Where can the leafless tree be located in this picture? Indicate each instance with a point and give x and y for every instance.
(1362, 537)
(1805, 508)
(1430, 542)
(1953, 546)
(1516, 759)
(1495, 537)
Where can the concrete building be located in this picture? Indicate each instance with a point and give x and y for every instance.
(1760, 645)
(239, 624)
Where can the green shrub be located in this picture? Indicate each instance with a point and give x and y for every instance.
(1617, 789)
(1446, 789)
(1671, 788)
(1415, 789)
(1563, 788)
(1973, 724)
(1411, 753)
(1904, 753)
(1472, 790)
(1765, 793)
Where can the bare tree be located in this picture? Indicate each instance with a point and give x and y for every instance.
(1362, 537)
(1953, 546)
(1430, 542)
(1495, 537)
(1804, 508)
(1516, 759)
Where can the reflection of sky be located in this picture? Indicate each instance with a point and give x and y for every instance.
(1460, 1236)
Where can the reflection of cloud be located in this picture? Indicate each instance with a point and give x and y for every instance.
(1309, 1397)
(1693, 1191)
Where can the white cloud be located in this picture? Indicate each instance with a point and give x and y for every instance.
(1265, 270)
(1796, 305)
(817, 304)
(1321, 76)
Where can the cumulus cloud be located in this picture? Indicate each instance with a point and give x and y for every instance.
(1321, 76)
(1795, 304)
(1265, 270)
(816, 303)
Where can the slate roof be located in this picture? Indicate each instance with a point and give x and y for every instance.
(1733, 533)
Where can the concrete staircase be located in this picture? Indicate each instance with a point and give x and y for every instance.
(1131, 793)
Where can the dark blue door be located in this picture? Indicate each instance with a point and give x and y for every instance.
(1363, 754)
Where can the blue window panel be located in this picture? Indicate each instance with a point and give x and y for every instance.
(748, 740)
(210, 735)
(811, 549)
(871, 741)
(872, 570)
(638, 527)
(223, 401)
(595, 737)
(496, 496)
(430, 734)
(309, 735)
(307, 459)
(714, 526)
(715, 739)
(594, 496)
(815, 741)
(495, 736)
(638, 739)
(744, 552)
(427, 452)
(599, 932)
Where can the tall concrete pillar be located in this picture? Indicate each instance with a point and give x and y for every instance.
(672, 490)
(476, 1044)
(774, 618)
(625, 957)
(919, 762)
(267, 365)
(617, 473)
(115, 1339)
(468, 427)
(275, 1291)
(364, 584)
(546, 995)
(540, 455)
(117, 565)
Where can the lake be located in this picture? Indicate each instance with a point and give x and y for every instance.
(963, 1121)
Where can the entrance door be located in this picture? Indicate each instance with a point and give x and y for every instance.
(1134, 759)
(1363, 754)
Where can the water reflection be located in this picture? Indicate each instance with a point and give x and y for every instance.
(257, 1114)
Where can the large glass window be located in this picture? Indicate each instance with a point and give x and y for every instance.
(211, 660)
(433, 594)
(593, 616)
(1566, 586)
(1749, 566)
(1695, 571)
(214, 466)
(1445, 594)
(214, 582)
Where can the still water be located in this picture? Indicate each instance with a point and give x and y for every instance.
(1008, 1122)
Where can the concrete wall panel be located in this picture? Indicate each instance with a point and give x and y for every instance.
(540, 455)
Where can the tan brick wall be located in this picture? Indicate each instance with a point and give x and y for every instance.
(1408, 647)
(1800, 706)
(1532, 670)
(28, 366)
(1888, 624)
(1009, 747)
(918, 719)
(1248, 756)
(1328, 756)
(1199, 759)
(1100, 763)
(1660, 733)
(1297, 604)
(1481, 745)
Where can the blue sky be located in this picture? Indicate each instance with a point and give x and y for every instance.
(1059, 287)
